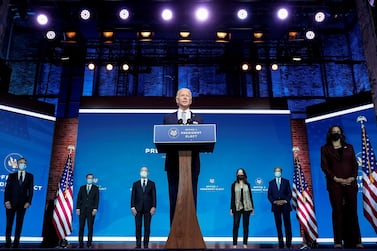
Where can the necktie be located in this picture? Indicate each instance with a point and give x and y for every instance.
(278, 182)
(143, 186)
(184, 119)
(20, 180)
(87, 189)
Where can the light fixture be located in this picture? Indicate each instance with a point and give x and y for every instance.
(124, 14)
(258, 67)
(274, 67)
(42, 19)
(310, 34)
(223, 36)
(258, 37)
(91, 66)
(125, 67)
(245, 67)
(201, 14)
(145, 35)
(50, 35)
(296, 58)
(167, 14)
(242, 14)
(109, 67)
(184, 37)
(107, 36)
(319, 17)
(85, 14)
(292, 34)
(282, 13)
(70, 37)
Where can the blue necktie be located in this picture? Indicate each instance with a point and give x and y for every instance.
(278, 183)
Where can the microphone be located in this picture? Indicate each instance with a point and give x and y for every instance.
(189, 122)
(180, 121)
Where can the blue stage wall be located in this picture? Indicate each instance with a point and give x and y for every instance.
(26, 134)
(317, 130)
(113, 145)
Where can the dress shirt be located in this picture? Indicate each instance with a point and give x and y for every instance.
(188, 114)
(278, 182)
(23, 175)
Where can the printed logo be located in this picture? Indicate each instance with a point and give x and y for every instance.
(212, 186)
(258, 186)
(173, 132)
(10, 162)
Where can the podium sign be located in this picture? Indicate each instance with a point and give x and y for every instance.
(201, 137)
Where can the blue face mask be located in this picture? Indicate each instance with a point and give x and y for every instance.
(277, 174)
(22, 166)
(89, 181)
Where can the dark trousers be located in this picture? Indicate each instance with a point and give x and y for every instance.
(86, 216)
(245, 223)
(287, 227)
(173, 180)
(19, 212)
(345, 222)
(147, 227)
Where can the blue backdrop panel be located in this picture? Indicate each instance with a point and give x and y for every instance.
(115, 146)
(317, 131)
(30, 137)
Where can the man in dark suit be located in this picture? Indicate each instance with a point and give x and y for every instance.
(17, 198)
(86, 208)
(143, 205)
(182, 116)
(280, 195)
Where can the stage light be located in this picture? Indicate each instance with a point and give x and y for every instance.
(245, 67)
(296, 58)
(70, 36)
(258, 67)
(282, 13)
(145, 35)
(107, 36)
(91, 66)
(85, 14)
(42, 19)
(319, 17)
(124, 14)
(258, 37)
(274, 67)
(202, 14)
(184, 37)
(310, 34)
(125, 67)
(167, 15)
(50, 35)
(223, 36)
(242, 14)
(109, 67)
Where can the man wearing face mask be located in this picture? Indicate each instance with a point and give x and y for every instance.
(17, 198)
(280, 195)
(86, 208)
(338, 162)
(143, 205)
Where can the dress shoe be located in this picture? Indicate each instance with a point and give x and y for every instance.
(337, 245)
(81, 245)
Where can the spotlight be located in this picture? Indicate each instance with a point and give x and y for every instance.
(167, 15)
(274, 67)
(50, 35)
(319, 17)
(242, 14)
(42, 19)
(245, 67)
(145, 35)
(310, 35)
(282, 13)
(91, 66)
(109, 67)
(223, 36)
(258, 67)
(125, 67)
(70, 36)
(202, 14)
(184, 37)
(258, 37)
(85, 14)
(297, 58)
(107, 36)
(124, 14)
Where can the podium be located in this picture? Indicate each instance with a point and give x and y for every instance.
(185, 231)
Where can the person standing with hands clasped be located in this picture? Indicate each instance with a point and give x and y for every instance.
(338, 162)
(280, 195)
(241, 204)
(17, 198)
(86, 209)
(143, 205)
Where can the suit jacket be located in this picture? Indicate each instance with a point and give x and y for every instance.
(172, 157)
(143, 200)
(233, 197)
(342, 165)
(86, 202)
(284, 193)
(16, 194)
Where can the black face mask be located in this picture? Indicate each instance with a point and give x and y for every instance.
(241, 177)
(335, 136)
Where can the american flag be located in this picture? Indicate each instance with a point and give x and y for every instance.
(62, 216)
(369, 168)
(303, 204)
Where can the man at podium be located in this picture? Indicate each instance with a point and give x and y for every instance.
(182, 116)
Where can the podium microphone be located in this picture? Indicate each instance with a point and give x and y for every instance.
(189, 122)
(180, 121)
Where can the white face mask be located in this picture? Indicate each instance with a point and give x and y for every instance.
(277, 174)
(143, 174)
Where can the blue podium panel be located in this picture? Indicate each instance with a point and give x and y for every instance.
(185, 137)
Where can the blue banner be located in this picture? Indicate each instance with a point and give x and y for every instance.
(114, 146)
